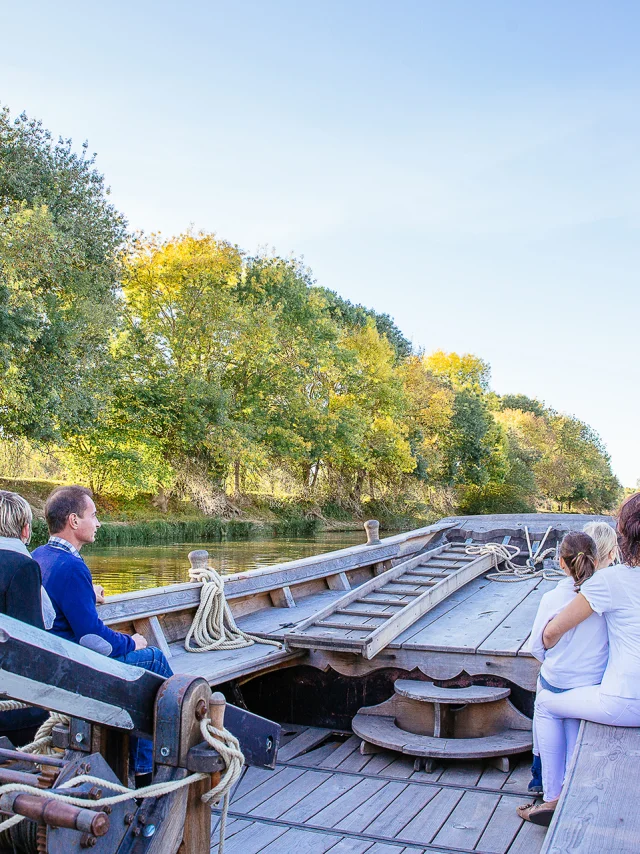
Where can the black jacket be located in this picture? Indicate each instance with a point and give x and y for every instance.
(21, 598)
(20, 588)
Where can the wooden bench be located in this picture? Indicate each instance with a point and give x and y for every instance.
(598, 810)
(267, 602)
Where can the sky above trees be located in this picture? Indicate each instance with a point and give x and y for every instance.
(470, 169)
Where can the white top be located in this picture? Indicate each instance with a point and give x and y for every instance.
(615, 592)
(580, 656)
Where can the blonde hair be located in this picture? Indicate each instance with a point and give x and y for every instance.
(605, 538)
(15, 513)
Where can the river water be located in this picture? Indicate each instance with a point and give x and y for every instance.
(136, 567)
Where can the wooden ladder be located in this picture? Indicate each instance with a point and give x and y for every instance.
(370, 616)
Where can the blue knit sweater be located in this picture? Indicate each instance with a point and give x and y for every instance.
(68, 582)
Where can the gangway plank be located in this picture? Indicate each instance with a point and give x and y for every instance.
(409, 588)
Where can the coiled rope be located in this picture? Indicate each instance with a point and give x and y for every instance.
(224, 742)
(510, 571)
(214, 626)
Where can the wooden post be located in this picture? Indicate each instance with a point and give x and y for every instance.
(199, 559)
(372, 527)
(197, 825)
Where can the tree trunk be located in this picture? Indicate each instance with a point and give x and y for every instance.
(315, 475)
(236, 477)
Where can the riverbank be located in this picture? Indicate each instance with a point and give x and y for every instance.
(139, 521)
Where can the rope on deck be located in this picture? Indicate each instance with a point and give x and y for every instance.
(214, 626)
(510, 571)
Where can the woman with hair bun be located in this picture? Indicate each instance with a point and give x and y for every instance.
(579, 658)
(613, 592)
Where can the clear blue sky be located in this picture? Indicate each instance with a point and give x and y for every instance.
(471, 168)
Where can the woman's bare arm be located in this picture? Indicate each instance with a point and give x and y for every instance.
(573, 614)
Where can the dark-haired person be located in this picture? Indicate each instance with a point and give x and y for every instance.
(20, 597)
(72, 521)
(578, 659)
(615, 593)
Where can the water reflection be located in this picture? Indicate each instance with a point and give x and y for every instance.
(136, 567)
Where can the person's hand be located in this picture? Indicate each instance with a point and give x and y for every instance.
(139, 641)
(98, 589)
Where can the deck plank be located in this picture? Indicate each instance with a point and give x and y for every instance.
(461, 773)
(222, 665)
(301, 842)
(503, 826)
(252, 838)
(404, 808)
(348, 845)
(430, 819)
(465, 627)
(385, 848)
(401, 767)
(509, 637)
(358, 819)
(266, 790)
(351, 800)
(325, 794)
(467, 822)
(439, 611)
(380, 762)
(288, 797)
(314, 758)
(305, 741)
(253, 777)
(341, 753)
(519, 778)
(529, 840)
(598, 809)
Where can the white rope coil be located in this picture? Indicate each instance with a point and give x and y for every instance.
(221, 740)
(214, 626)
(509, 571)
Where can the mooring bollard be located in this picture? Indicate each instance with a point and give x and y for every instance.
(372, 527)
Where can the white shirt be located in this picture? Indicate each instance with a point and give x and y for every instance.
(580, 656)
(615, 592)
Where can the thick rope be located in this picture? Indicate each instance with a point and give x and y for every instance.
(510, 571)
(221, 740)
(42, 744)
(12, 705)
(213, 626)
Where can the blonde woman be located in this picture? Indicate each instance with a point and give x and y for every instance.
(606, 540)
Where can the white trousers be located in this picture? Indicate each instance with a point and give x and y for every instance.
(558, 719)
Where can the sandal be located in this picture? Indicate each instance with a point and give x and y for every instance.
(538, 813)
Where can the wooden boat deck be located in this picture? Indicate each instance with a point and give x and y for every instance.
(324, 796)
(480, 628)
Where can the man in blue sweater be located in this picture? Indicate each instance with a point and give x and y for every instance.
(73, 522)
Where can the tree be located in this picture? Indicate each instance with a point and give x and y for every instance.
(59, 239)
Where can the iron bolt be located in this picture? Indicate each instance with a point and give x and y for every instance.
(79, 737)
(87, 840)
(164, 751)
(136, 831)
(142, 818)
(128, 818)
(94, 793)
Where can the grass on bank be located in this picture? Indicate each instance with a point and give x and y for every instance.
(138, 521)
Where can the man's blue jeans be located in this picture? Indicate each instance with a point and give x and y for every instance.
(141, 749)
